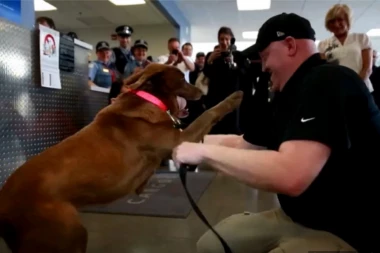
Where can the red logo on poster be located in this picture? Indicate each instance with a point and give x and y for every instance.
(49, 45)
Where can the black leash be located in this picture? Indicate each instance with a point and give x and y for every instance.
(182, 174)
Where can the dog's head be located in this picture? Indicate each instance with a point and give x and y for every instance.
(163, 81)
(163, 78)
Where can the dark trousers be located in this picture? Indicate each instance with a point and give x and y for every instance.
(376, 97)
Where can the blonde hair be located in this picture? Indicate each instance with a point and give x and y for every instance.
(335, 11)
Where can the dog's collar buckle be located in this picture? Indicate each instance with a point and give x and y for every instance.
(176, 122)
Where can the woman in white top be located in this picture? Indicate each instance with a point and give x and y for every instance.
(353, 50)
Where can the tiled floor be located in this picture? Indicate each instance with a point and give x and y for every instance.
(136, 234)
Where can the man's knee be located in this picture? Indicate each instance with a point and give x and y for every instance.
(242, 232)
(209, 243)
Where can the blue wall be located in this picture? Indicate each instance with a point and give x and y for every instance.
(27, 14)
(20, 12)
(170, 9)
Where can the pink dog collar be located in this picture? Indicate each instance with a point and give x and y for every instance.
(149, 97)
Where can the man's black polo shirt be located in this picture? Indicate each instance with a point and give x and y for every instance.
(330, 104)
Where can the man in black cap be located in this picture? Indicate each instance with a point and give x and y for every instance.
(122, 55)
(199, 65)
(317, 149)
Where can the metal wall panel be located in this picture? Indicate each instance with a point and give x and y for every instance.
(33, 118)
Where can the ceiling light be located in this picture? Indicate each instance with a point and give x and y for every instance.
(251, 35)
(253, 5)
(127, 2)
(374, 33)
(41, 5)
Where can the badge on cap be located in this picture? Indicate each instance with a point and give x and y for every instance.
(126, 29)
(104, 44)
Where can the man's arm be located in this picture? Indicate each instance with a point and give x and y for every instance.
(306, 145)
(288, 171)
(230, 140)
(189, 63)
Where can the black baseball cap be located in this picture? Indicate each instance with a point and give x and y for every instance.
(279, 27)
(102, 45)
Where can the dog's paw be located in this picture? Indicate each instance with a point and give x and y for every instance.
(232, 102)
(226, 106)
(235, 98)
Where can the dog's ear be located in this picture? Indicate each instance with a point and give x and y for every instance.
(138, 79)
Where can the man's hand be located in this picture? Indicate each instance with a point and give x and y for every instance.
(180, 57)
(188, 153)
(188, 62)
(214, 55)
(172, 58)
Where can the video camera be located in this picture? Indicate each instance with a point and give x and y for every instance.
(175, 52)
(228, 54)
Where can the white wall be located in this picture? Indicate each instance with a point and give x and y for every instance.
(156, 36)
(206, 47)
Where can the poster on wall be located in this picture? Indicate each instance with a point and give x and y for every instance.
(49, 58)
(11, 10)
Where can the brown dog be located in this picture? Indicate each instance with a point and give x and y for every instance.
(113, 156)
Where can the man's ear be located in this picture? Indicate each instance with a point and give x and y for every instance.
(139, 78)
(291, 45)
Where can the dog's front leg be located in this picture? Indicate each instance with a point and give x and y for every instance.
(203, 124)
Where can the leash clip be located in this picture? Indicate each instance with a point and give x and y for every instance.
(176, 122)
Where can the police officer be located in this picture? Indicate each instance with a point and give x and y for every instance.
(102, 72)
(122, 55)
(140, 61)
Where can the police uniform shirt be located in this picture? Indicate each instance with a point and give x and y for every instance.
(120, 57)
(101, 74)
(130, 67)
(329, 104)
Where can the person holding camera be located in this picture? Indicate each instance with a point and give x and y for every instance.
(224, 67)
(177, 58)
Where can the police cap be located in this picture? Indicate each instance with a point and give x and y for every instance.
(124, 30)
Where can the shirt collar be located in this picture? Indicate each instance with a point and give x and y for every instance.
(296, 79)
